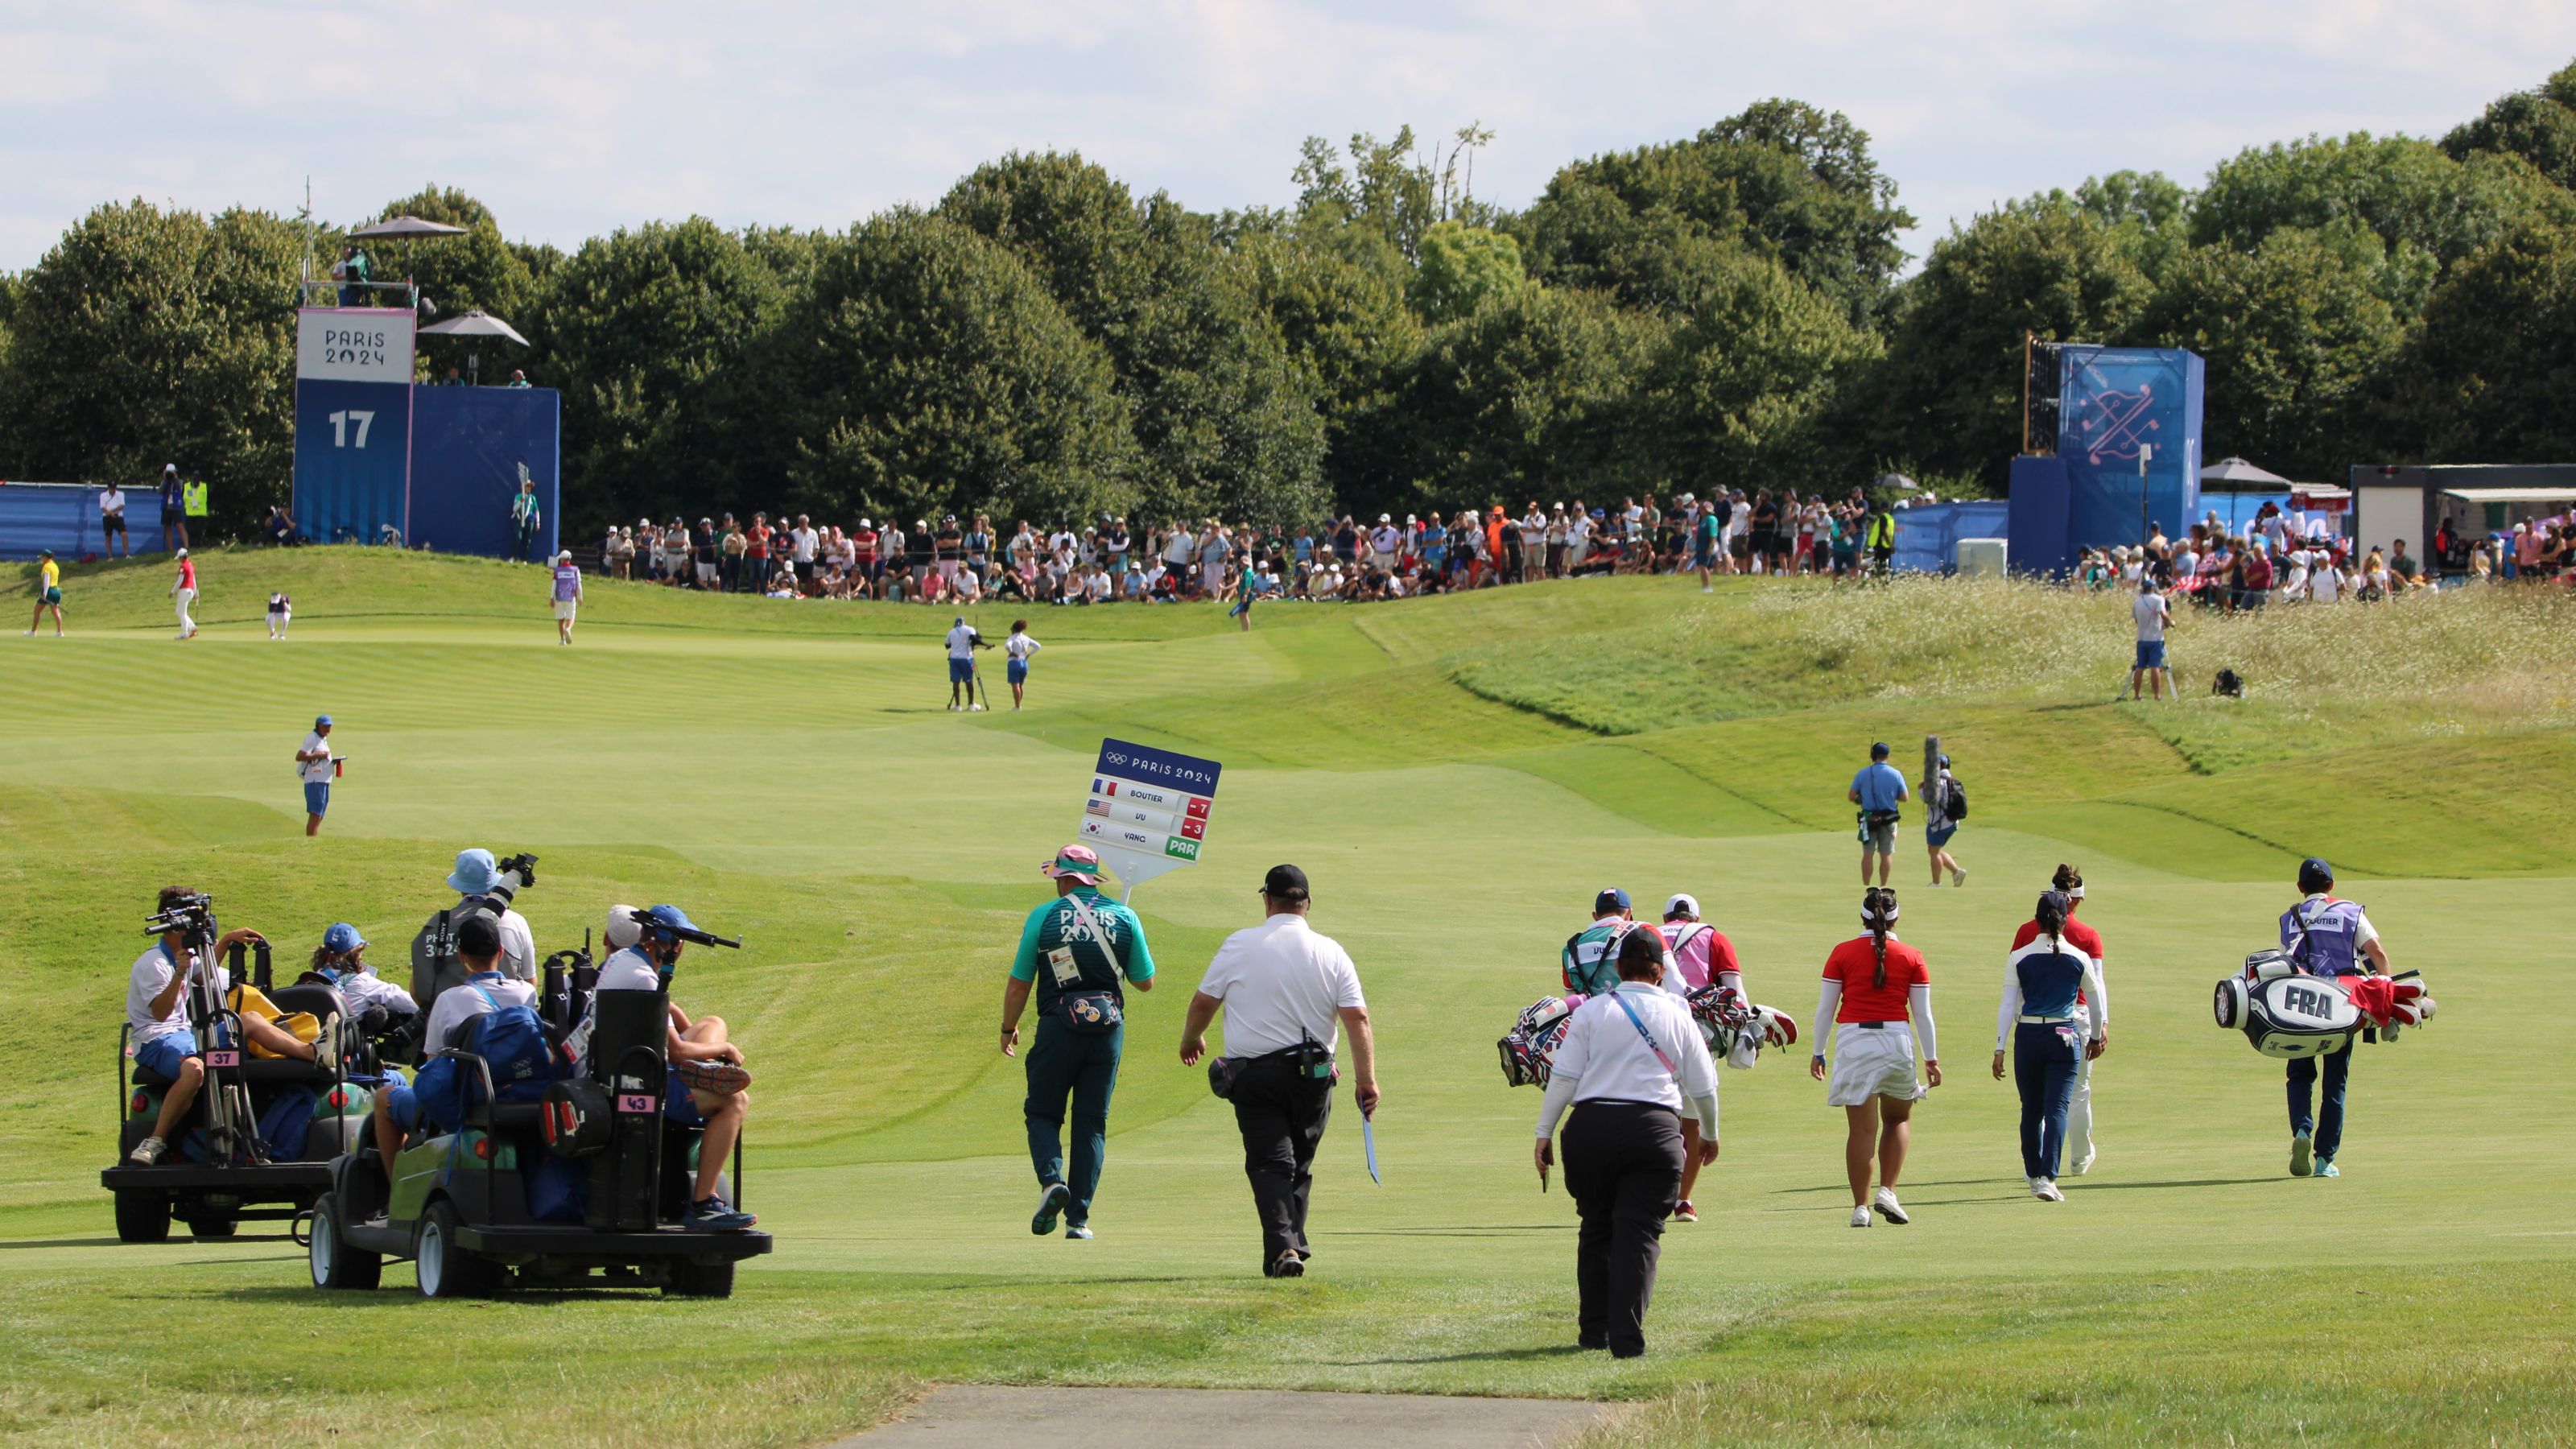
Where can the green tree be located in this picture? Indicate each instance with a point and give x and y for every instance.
(1949, 395)
(928, 369)
(2297, 338)
(1742, 384)
(2406, 190)
(2148, 212)
(1337, 297)
(1535, 395)
(148, 336)
(2538, 125)
(654, 336)
(2488, 377)
(1381, 186)
(1461, 266)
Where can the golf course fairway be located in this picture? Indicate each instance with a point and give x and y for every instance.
(1457, 775)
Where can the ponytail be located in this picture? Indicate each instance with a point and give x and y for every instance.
(2067, 878)
(2051, 916)
(1878, 913)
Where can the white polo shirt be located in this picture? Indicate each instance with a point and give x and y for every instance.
(1607, 1059)
(315, 772)
(152, 972)
(460, 1004)
(112, 501)
(1282, 983)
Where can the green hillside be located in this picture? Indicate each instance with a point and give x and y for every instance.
(1458, 775)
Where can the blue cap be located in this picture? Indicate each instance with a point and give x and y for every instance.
(342, 939)
(322, 721)
(1878, 751)
(1613, 899)
(2315, 874)
(475, 873)
(668, 917)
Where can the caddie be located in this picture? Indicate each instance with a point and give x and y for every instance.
(2327, 936)
(1076, 954)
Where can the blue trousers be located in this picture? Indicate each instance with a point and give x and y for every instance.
(2327, 1124)
(1062, 1063)
(2045, 1057)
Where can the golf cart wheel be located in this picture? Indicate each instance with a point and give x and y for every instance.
(444, 1269)
(700, 1280)
(214, 1225)
(336, 1265)
(142, 1216)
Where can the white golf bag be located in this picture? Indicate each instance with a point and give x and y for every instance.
(2287, 1013)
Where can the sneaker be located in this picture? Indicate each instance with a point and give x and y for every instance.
(148, 1151)
(1958, 876)
(2034, 1183)
(2086, 1165)
(1079, 1232)
(2300, 1159)
(1051, 1201)
(1888, 1207)
(1860, 1217)
(1288, 1265)
(1683, 1212)
(710, 1215)
(326, 1047)
(2326, 1168)
(2047, 1191)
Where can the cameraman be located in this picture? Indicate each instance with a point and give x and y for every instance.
(476, 876)
(163, 1041)
(397, 1112)
(1878, 790)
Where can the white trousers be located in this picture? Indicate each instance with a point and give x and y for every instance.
(185, 598)
(2079, 1114)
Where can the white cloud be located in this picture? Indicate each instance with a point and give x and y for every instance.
(573, 120)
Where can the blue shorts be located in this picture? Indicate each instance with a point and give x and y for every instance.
(1940, 837)
(400, 1106)
(317, 796)
(2151, 654)
(678, 1106)
(961, 671)
(1017, 671)
(164, 1054)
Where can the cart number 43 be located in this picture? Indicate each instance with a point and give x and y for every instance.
(340, 428)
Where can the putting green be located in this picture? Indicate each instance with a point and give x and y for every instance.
(1458, 776)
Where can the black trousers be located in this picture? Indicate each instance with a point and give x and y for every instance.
(1281, 1113)
(1623, 1163)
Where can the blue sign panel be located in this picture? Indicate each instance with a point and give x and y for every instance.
(2128, 431)
(352, 458)
(1186, 773)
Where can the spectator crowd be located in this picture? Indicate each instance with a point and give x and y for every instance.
(2285, 558)
(954, 561)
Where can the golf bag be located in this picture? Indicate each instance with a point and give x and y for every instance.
(2286, 1013)
(1529, 1048)
(1736, 1029)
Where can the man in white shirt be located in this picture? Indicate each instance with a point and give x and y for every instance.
(314, 767)
(963, 641)
(706, 1080)
(2152, 615)
(1286, 992)
(1384, 541)
(162, 1041)
(396, 1111)
(111, 519)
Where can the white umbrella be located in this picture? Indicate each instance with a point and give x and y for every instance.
(404, 228)
(476, 323)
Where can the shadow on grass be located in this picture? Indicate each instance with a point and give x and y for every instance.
(61, 1243)
(2184, 1182)
(1497, 1231)
(1504, 1355)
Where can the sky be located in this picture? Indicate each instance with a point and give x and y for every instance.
(572, 119)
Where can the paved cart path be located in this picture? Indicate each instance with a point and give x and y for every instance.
(1070, 1418)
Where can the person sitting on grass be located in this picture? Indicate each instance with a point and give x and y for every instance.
(163, 1042)
(706, 1086)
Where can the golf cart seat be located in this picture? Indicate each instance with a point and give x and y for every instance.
(322, 1002)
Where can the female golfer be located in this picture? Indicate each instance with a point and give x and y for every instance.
(2080, 1150)
(1872, 982)
(2049, 1029)
(1629, 1060)
(1019, 646)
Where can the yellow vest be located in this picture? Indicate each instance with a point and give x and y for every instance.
(194, 496)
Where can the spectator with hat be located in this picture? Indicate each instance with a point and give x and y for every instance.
(476, 873)
(174, 509)
(316, 767)
(1287, 993)
(1077, 954)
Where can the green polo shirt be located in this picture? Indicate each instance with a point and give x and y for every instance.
(1055, 924)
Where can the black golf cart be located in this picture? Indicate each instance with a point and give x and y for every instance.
(219, 1171)
(460, 1205)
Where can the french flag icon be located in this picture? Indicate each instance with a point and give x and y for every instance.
(1102, 787)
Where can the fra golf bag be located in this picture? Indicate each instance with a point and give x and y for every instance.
(1736, 1029)
(2287, 1013)
(1529, 1049)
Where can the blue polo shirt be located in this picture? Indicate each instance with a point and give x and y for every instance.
(1880, 786)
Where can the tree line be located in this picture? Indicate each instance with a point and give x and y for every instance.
(1723, 310)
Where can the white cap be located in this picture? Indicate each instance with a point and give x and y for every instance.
(1681, 905)
(183, 553)
(564, 557)
(623, 929)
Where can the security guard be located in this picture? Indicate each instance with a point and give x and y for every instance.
(1286, 992)
(2325, 936)
(1074, 952)
(1631, 1058)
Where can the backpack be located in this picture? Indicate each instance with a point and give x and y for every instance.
(1956, 807)
(1600, 975)
(512, 1042)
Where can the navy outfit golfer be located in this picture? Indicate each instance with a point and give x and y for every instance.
(2048, 1032)
(1075, 953)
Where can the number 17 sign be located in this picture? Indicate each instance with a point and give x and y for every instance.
(1147, 812)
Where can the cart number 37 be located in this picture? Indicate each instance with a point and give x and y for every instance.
(340, 428)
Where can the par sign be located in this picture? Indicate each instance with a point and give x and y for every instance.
(1147, 812)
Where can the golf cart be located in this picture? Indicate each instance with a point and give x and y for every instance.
(257, 1141)
(587, 1186)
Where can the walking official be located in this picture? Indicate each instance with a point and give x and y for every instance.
(1286, 992)
(2330, 937)
(1630, 1059)
(1075, 951)
(2054, 1017)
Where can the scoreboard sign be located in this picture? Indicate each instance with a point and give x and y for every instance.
(1148, 809)
(353, 370)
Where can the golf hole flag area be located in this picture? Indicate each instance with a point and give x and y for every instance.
(1148, 810)
(1457, 776)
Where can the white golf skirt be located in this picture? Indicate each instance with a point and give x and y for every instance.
(1872, 1062)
